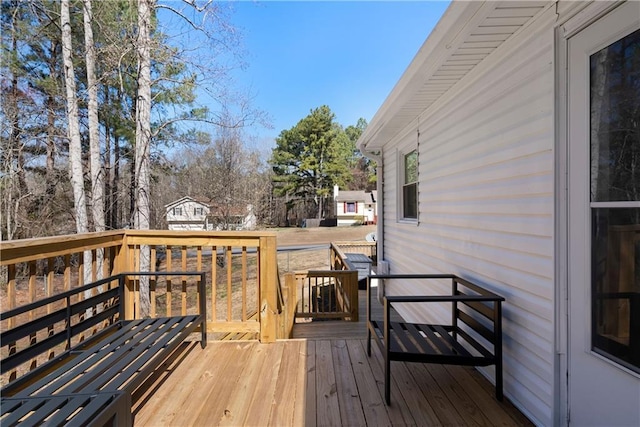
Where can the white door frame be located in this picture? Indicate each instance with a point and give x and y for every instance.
(565, 29)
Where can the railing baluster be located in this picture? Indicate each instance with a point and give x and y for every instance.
(153, 281)
(49, 292)
(214, 282)
(229, 283)
(244, 283)
(199, 268)
(184, 282)
(168, 281)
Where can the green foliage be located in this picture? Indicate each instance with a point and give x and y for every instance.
(310, 158)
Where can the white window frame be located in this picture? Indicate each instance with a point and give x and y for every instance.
(402, 156)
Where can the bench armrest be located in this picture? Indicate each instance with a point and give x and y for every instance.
(440, 298)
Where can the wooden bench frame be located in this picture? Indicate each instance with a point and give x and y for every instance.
(474, 337)
(106, 367)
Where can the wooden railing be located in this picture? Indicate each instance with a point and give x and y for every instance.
(359, 247)
(326, 294)
(242, 289)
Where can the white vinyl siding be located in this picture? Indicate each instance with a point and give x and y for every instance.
(486, 204)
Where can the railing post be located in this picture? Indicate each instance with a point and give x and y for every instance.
(121, 264)
(353, 297)
(291, 303)
(268, 288)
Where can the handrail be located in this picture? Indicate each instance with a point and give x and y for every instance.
(240, 266)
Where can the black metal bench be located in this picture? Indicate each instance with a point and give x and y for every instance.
(474, 337)
(93, 381)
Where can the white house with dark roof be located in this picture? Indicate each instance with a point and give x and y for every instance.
(508, 154)
(355, 207)
(187, 214)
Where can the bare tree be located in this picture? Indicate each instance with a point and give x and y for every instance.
(143, 140)
(97, 175)
(73, 129)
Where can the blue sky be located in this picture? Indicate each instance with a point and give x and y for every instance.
(347, 55)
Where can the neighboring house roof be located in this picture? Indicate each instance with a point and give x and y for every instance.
(467, 33)
(351, 196)
(184, 200)
(356, 196)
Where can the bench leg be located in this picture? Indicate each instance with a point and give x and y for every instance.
(387, 380)
(499, 391)
(368, 342)
(203, 338)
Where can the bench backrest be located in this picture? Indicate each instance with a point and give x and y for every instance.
(482, 313)
(39, 334)
(53, 325)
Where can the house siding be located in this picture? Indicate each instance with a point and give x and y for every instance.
(486, 203)
(188, 220)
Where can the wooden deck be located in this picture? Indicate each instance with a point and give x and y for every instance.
(317, 380)
(314, 382)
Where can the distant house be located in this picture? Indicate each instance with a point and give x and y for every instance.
(187, 214)
(355, 207)
(505, 155)
(225, 217)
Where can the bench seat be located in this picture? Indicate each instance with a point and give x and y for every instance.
(91, 410)
(104, 369)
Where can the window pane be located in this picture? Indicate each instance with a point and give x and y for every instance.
(615, 273)
(411, 167)
(410, 201)
(615, 121)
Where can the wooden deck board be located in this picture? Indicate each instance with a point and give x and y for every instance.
(327, 408)
(348, 396)
(315, 382)
(322, 378)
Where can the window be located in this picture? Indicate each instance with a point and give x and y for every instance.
(350, 207)
(410, 186)
(177, 211)
(198, 211)
(615, 202)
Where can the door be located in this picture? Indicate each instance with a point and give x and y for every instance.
(604, 221)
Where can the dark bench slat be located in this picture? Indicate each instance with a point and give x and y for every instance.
(95, 409)
(18, 409)
(441, 346)
(426, 344)
(28, 328)
(107, 361)
(93, 301)
(479, 347)
(67, 405)
(400, 342)
(130, 365)
(456, 349)
(86, 407)
(16, 387)
(34, 350)
(478, 327)
(116, 408)
(16, 359)
(51, 380)
(479, 307)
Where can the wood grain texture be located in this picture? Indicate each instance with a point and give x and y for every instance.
(302, 382)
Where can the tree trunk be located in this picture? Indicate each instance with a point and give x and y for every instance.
(143, 140)
(97, 175)
(73, 130)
